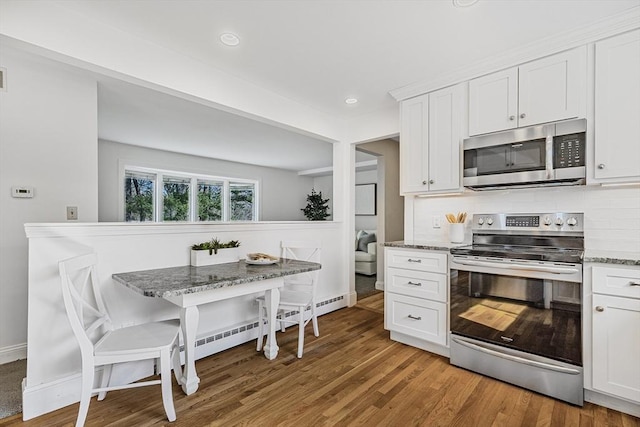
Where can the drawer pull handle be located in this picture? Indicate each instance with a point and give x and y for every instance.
(414, 283)
(414, 317)
(634, 283)
(414, 260)
(599, 308)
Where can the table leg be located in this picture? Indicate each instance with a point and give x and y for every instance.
(189, 317)
(272, 299)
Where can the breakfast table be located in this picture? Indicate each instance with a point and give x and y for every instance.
(189, 287)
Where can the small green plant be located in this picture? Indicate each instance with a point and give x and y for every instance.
(214, 244)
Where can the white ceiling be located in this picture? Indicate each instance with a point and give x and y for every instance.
(314, 52)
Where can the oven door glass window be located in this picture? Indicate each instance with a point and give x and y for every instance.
(533, 315)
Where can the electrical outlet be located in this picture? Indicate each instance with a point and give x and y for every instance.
(72, 212)
(435, 222)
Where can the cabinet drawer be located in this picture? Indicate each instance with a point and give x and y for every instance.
(416, 317)
(434, 262)
(616, 281)
(418, 284)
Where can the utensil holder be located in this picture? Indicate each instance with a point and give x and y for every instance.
(456, 232)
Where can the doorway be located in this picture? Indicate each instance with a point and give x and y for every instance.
(377, 170)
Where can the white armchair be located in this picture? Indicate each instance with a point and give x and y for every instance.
(366, 252)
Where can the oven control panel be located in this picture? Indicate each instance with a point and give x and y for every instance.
(523, 222)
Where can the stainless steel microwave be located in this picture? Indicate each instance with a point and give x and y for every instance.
(549, 154)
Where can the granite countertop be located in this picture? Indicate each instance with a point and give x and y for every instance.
(609, 257)
(175, 281)
(593, 256)
(427, 245)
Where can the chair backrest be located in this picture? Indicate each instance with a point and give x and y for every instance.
(83, 302)
(302, 250)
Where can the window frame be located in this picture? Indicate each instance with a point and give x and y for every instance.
(158, 198)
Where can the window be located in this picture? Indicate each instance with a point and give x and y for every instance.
(187, 197)
(175, 198)
(210, 200)
(139, 189)
(241, 201)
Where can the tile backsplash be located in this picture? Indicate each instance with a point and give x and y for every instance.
(611, 214)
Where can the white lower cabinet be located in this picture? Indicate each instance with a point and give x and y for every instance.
(615, 332)
(416, 299)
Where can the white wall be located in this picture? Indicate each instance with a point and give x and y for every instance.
(612, 214)
(48, 128)
(275, 204)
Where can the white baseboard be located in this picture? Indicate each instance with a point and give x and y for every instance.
(13, 353)
(48, 397)
(612, 402)
(380, 285)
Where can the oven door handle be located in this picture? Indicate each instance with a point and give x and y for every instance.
(543, 268)
(517, 359)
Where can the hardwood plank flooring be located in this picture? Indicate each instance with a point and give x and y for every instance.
(351, 375)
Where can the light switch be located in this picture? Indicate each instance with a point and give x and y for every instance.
(436, 222)
(22, 192)
(72, 212)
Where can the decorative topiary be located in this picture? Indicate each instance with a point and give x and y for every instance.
(317, 207)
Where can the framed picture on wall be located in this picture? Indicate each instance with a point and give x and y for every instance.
(366, 199)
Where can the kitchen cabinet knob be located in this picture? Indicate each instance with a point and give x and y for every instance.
(599, 308)
(512, 118)
(424, 182)
(431, 181)
(523, 115)
(634, 284)
(601, 166)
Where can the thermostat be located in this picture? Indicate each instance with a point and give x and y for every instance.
(22, 192)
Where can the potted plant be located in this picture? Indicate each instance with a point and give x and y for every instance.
(317, 207)
(214, 252)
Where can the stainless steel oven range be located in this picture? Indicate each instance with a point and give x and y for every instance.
(516, 302)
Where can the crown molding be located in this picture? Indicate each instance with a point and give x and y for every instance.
(607, 27)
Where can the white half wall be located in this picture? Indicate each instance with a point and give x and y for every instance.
(53, 362)
(48, 141)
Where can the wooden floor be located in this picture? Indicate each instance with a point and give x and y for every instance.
(351, 375)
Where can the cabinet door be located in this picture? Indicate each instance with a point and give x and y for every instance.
(552, 88)
(445, 114)
(414, 154)
(493, 102)
(616, 346)
(617, 108)
(416, 317)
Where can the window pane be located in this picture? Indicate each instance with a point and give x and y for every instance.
(210, 200)
(138, 190)
(175, 194)
(241, 199)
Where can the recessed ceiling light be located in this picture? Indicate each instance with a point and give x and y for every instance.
(351, 100)
(229, 39)
(464, 3)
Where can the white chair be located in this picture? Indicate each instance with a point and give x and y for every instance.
(101, 345)
(298, 293)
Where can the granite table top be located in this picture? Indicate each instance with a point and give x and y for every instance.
(175, 281)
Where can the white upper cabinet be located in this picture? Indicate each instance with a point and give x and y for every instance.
(541, 91)
(414, 140)
(617, 109)
(430, 138)
(493, 102)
